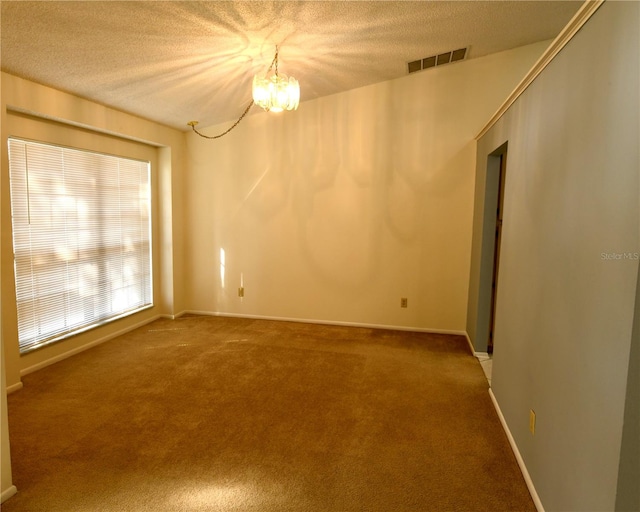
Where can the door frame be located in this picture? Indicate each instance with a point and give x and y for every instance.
(499, 216)
(481, 303)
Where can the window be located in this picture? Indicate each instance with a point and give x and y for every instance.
(81, 239)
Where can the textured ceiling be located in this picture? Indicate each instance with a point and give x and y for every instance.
(177, 61)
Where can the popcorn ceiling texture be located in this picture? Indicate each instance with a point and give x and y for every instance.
(173, 62)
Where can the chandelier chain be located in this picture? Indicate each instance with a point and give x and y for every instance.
(194, 123)
(246, 110)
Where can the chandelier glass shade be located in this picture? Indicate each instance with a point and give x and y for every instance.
(276, 92)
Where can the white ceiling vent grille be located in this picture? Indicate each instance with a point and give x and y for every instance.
(437, 60)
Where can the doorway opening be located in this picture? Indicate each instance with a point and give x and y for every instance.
(488, 219)
(499, 211)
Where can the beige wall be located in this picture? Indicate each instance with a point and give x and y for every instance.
(569, 264)
(336, 211)
(32, 111)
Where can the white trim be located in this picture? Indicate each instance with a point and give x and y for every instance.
(77, 350)
(516, 452)
(176, 316)
(14, 387)
(482, 356)
(65, 355)
(11, 109)
(7, 493)
(327, 322)
(581, 17)
(473, 349)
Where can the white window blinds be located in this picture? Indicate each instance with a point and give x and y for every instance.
(81, 238)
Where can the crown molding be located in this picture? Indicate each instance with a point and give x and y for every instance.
(580, 18)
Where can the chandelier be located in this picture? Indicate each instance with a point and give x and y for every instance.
(276, 92)
(273, 91)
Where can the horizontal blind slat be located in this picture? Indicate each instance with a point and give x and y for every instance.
(82, 236)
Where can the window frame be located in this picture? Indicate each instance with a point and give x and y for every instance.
(97, 140)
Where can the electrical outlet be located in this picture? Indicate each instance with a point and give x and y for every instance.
(403, 302)
(532, 422)
(241, 291)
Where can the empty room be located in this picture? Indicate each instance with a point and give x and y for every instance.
(320, 256)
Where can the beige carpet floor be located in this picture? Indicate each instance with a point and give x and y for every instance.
(229, 414)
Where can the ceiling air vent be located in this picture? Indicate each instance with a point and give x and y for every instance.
(437, 60)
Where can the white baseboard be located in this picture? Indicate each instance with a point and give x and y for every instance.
(516, 452)
(14, 387)
(480, 355)
(87, 346)
(176, 316)
(473, 349)
(327, 322)
(65, 355)
(7, 493)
